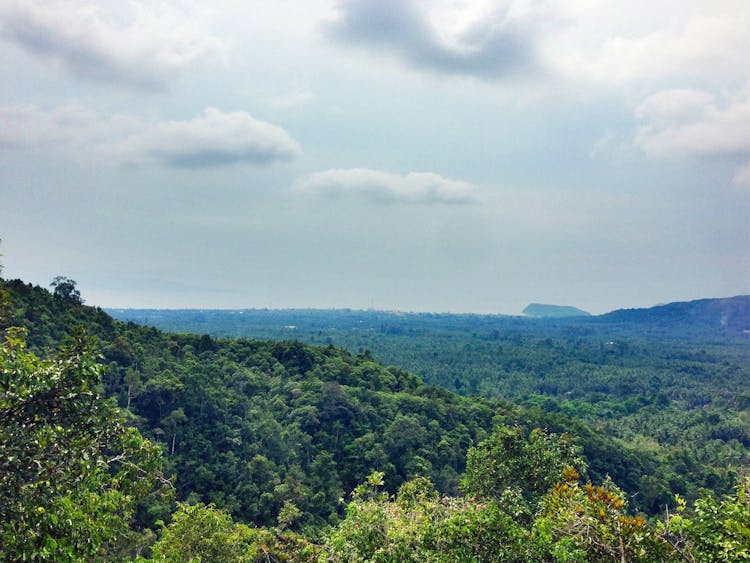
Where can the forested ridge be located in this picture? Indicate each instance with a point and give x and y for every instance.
(311, 452)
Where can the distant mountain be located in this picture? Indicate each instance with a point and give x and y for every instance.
(539, 310)
(731, 314)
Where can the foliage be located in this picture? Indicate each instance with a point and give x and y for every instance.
(66, 290)
(421, 525)
(589, 523)
(254, 426)
(575, 523)
(510, 459)
(204, 533)
(719, 530)
(71, 469)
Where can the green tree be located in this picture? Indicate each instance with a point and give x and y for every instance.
(590, 523)
(510, 459)
(65, 288)
(200, 533)
(420, 525)
(203, 533)
(71, 470)
(172, 423)
(719, 530)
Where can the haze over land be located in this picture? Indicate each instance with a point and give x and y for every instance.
(422, 156)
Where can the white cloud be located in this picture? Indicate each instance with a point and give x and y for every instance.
(146, 50)
(654, 44)
(214, 138)
(687, 123)
(385, 187)
(674, 105)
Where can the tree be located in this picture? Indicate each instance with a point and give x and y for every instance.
(173, 422)
(71, 470)
(65, 289)
(421, 525)
(719, 530)
(205, 533)
(509, 459)
(590, 523)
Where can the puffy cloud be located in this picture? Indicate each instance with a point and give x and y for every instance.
(215, 138)
(651, 45)
(147, 52)
(385, 187)
(689, 123)
(477, 39)
(685, 123)
(579, 40)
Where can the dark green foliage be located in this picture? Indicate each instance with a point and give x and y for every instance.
(254, 426)
(49, 321)
(71, 470)
(250, 433)
(66, 290)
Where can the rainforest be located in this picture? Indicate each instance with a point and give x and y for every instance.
(605, 438)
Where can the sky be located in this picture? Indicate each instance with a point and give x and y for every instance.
(443, 155)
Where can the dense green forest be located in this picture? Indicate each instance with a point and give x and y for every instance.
(279, 450)
(668, 383)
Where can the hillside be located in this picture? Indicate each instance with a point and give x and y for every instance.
(672, 396)
(249, 425)
(730, 315)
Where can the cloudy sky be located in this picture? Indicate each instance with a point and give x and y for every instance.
(442, 155)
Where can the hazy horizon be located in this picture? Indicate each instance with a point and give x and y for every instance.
(467, 156)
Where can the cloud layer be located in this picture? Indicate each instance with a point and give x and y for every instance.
(27, 125)
(385, 187)
(488, 43)
(148, 51)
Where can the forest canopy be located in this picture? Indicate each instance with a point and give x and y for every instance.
(286, 450)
